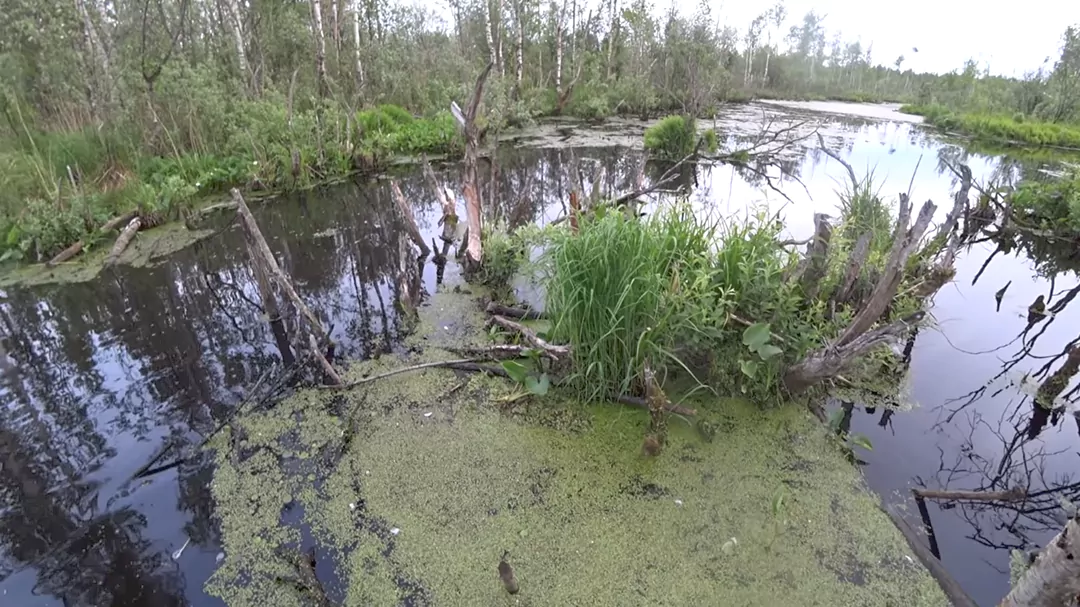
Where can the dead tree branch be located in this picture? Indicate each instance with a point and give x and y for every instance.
(410, 220)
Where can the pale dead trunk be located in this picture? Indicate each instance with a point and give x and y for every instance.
(559, 21)
(494, 57)
(471, 178)
(765, 75)
(238, 37)
(520, 45)
(96, 50)
(612, 35)
(359, 67)
(1053, 580)
(320, 45)
(499, 39)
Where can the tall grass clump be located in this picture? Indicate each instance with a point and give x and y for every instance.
(624, 291)
(673, 138)
(862, 210)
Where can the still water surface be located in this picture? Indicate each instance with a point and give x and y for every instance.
(96, 378)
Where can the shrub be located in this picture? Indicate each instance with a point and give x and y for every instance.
(673, 138)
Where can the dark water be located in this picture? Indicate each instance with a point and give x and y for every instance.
(98, 377)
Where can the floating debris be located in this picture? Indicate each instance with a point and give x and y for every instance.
(395, 531)
(729, 546)
(678, 502)
(176, 555)
(428, 414)
(220, 557)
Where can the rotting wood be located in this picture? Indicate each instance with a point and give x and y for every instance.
(123, 241)
(1056, 383)
(1016, 494)
(331, 373)
(952, 589)
(471, 180)
(553, 351)
(262, 249)
(658, 404)
(949, 231)
(410, 220)
(885, 290)
(855, 264)
(1053, 580)
(78, 245)
(498, 309)
(829, 361)
(812, 267)
(306, 579)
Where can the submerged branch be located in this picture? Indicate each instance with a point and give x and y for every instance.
(444, 364)
(530, 336)
(1016, 494)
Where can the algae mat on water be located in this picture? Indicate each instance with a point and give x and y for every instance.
(420, 493)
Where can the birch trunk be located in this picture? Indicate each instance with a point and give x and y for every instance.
(612, 35)
(765, 75)
(320, 45)
(488, 32)
(520, 45)
(96, 51)
(559, 21)
(1054, 578)
(359, 67)
(238, 37)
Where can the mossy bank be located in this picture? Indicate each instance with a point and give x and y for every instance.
(414, 487)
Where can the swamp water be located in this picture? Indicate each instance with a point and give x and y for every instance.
(99, 375)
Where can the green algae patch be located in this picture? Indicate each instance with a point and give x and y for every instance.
(430, 491)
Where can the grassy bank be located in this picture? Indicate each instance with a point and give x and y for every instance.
(997, 128)
(60, 187)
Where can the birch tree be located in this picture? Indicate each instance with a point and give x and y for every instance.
(320, 45)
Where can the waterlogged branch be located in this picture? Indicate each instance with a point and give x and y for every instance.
(530, 336)
(498, 309)
(444, 364)
(836, 157)
(410, 220)
(123, 241)
(327, 368)
(952, 589)
(77, 247)
(1016, 494)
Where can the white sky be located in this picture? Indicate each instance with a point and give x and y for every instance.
(1012, 37)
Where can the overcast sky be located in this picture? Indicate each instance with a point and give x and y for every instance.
(1011, 37)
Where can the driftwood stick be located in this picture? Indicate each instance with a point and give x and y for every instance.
(952, 589)
(1054, 578)
(530, 336)
(1016, 494)
(335, 379)
(496, 352)
(509, 312)
(262, 249)
(445, 364)
(123, 241)
(836, 157)
(409, 219)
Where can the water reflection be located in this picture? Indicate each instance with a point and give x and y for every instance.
(99, 377)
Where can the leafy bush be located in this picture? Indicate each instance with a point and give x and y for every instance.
(673, 138)
(998, 128)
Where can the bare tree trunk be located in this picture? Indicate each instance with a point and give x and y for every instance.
(359, 68)
(471, 178)
(238, 38)
(520, 45)
(499, 38)
(1054, 578)
(320, 45)
(612, 36)
(335, 28)
(559, 49)
(765, 74)
(855, 263)
(96, 50)
(494, 57)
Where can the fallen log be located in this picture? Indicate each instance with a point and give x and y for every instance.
(77, 246)
(410, 220)
(1016, 494)
(123, 241)
(952, 589)
(1053, 580)
(262, 250)
(530, 336)
(498, 309)
(327, 368)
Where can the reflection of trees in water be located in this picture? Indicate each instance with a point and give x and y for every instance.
(167, 349)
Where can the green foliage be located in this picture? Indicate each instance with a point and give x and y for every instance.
(710, 140)
(673, 138)
(504, 256)
(536, 383)
(1051, 204)
(995, 128)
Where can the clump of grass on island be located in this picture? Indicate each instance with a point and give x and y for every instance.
(676, 137)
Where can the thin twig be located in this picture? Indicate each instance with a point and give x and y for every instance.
(445, 364)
